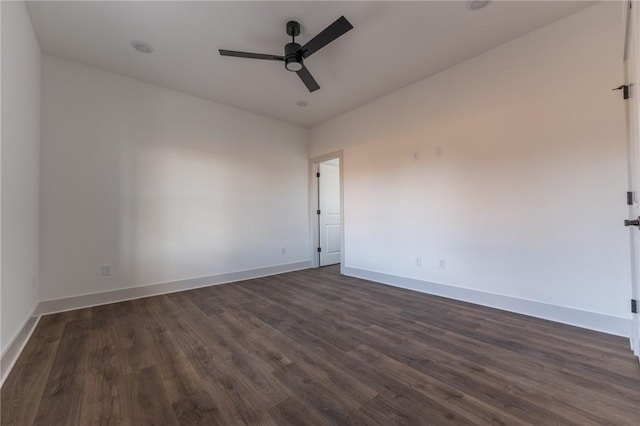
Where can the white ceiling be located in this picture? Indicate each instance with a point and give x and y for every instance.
(393, 44)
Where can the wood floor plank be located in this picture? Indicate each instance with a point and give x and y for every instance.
(63, 395)
(294, 411)
(144, 400)
(314, 347)
(35, 365)
(464, 405)
(521, 373)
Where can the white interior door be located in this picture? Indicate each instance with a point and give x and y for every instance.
(632, 67)
(329, 217)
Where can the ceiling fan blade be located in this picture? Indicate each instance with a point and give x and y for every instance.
(326, 36)
(308, 79)
(250, 55)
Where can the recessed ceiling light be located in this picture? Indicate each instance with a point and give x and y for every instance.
(141, 46)
(477, 4)
(302, 103)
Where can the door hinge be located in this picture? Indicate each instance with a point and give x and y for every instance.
(317, 211)
(318, 174)
(625, 90)
(632, 222)
(634, 306)
(319, 250)
(630, 198)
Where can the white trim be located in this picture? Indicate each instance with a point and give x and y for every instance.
(103, 298)
(14, 348)
(585, 319)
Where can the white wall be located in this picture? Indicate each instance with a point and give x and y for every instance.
(19, 169)
(527, 199)
(161, 185)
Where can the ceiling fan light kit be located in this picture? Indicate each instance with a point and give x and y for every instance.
(295, 54)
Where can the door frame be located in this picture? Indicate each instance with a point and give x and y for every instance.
(313, 207)
(632, 33)
(632, 16)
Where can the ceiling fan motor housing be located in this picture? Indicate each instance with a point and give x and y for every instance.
(292, 57)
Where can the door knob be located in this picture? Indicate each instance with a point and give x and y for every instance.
(632, 222)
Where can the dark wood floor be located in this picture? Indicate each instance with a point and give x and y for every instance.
(315, 348)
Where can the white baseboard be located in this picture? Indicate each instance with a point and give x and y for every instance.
(15, 346)
(590, 320)
(103, 298)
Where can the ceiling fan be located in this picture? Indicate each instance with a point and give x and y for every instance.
(294, 54)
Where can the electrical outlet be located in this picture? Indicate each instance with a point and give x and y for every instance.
(415, 156)
(442, 264)
(106, 270)
(418, 261)
(438, 151)
(283, 251)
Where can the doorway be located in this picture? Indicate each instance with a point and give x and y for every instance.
(327, 211)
